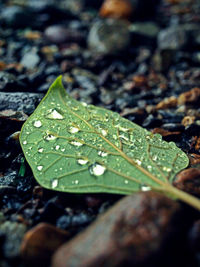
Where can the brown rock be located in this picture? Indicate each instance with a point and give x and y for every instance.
(116, 9)
(40, 242)
(189, 181)
(188, 97)
(164, 132)
(169, 102)
(128, 234)
(188, 120)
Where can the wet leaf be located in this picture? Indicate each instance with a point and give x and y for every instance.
(75, 147)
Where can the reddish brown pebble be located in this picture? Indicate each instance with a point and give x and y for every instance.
(130, 232)
(40, 242)
(164, 132)
(169, 102)
(188, 120)
(189, 181)
(194, 159)
(116, 9)
(188, 97)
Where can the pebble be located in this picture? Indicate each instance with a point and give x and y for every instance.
(116, 9)
(145, 29)
(59, 34)
(30, 60)
(25, 102)
(40, 242)
(172, 38)
(189, 181)
(123, 234)
(13, 233)
(109, 36)
(191, 96)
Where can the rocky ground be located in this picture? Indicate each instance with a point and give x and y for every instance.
(140, 58)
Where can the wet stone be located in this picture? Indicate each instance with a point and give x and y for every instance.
(33, 249)
(13, 233)
(30, 60)
(123, 234)
(189, 181)
(172, 38)
(109, 36)
(25, 102)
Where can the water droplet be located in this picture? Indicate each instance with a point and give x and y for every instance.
(167, 169)
(155, 157)
(145, 188)
(74, 129)
(97, 169)
(76, 143)
(126, 181)
(76, 181)
(54, 115)
(102, 154)
(54, 183)
(25, 142)
(82, 161)
(37, 124)
(84, 104)
(62, 149)
(40, 167)
(49, 137)
(57, 147)
(149, 167)
(104, 132)
(40, 150)
(138, 162)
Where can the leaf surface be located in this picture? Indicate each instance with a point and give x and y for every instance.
(75, 147)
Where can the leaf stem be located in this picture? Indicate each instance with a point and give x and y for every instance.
(183, 196)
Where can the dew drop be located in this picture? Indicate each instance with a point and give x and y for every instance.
(54, 183)
(138, 162)
(40, 167)
(62, 149)
(40, 150)
(145, 188)
(167, 169)
(25, 142)
(76, 181)
(102, 154)
(82, 161)
(73, 129)
(84, 104)
(104, 132)
(126, 181)
(76, 143)
(49, 137)
(57, 147)
(149, 167)
(37, 124)
(54, 115)
(97, 169)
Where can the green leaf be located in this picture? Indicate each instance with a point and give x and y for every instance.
(75, 147)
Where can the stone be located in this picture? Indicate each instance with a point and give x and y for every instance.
(116, 9)
(40, 242)
(109, 36)
(16, 16)
(30, 60)
(59, 34)
(189, 181)
(13, 233)
(189, 97)
(173, 38)
(129, 233)
(147, 29)
(25, 102)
